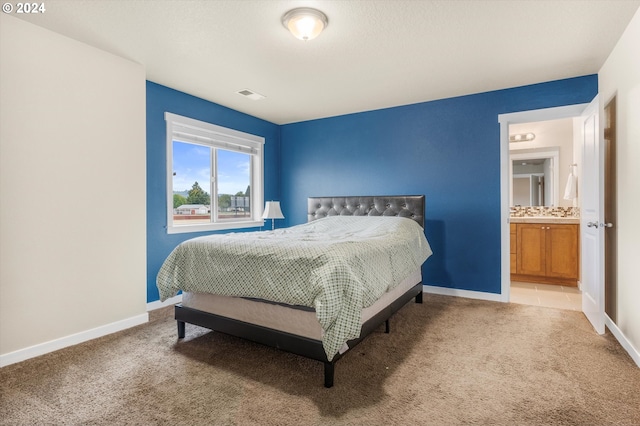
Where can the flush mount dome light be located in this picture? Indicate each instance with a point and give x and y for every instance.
(305, 23)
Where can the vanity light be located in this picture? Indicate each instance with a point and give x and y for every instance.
(522, 137)
(305, 23)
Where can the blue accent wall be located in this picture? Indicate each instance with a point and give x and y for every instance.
(161, 99)
(447, 149)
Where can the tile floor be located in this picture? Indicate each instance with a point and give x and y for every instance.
(551, 296)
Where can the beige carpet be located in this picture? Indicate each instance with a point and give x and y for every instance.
(448, 361)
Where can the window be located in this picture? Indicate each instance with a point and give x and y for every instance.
(214, 177)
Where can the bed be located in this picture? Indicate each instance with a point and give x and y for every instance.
(315, 289)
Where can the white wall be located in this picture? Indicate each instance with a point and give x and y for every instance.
(551, 133)
(72, 191)
(620, 76)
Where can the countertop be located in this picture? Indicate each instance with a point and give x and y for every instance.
(545, 219)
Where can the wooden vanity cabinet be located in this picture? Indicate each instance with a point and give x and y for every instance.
(546, 253)
(530, 249)
(512, 236)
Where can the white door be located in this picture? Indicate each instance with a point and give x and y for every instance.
(534, 198)
(592, 209)
(548, 180)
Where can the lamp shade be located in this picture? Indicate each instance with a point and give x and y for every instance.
(272, 210)
(305, 23)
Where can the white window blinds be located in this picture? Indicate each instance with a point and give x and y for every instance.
(186, 129)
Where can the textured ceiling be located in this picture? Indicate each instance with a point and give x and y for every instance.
(374, 54)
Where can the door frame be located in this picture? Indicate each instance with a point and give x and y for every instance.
(569, 111)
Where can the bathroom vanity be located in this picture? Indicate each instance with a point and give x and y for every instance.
(545, 250)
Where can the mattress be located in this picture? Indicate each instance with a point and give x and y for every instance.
(336, 265)
(296, 320)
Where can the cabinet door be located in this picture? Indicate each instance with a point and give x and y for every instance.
(530, 254)
(562, 251)
(514, 248)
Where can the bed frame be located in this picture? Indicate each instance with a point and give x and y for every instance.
(412, 206)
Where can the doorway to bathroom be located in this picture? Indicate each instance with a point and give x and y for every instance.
(544, 159)
(538, 227)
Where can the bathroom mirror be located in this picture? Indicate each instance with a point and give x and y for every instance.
(534, 177)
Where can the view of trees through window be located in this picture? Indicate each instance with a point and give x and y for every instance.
(200, 171)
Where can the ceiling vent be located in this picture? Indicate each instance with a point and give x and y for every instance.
(250, 94)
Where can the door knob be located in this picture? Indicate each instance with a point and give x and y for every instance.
(607, 225)
(592, 224)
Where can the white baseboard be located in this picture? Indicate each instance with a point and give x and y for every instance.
(74, 339)
(469, 294)
(624, 342)
(151, 306)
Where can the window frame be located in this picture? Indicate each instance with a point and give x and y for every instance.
(189, 130)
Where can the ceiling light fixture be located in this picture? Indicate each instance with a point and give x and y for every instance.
(305, 23)
(522, 137)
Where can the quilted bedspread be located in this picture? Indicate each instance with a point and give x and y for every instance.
(337, 265)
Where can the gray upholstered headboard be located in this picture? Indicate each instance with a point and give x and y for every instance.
(411, 206)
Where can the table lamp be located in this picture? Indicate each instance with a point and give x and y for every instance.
(272, 211)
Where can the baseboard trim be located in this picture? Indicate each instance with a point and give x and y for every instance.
(94, 333)
(622, 339)
(74, 339)
(469, 294)
(152, 306)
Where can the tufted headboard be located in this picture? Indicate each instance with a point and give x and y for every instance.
(411, 206)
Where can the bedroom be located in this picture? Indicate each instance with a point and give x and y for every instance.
(91, 295)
